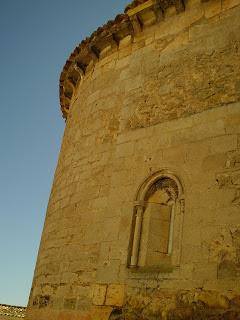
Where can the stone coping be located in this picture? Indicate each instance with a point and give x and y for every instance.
(107, 39)
(12, 311)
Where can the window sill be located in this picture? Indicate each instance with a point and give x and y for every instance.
(161, 268)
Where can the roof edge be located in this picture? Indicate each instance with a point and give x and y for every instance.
(105, 40)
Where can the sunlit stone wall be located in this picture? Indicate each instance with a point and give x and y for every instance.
(161, 95)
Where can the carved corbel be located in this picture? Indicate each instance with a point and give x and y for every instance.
(71, 83)
(67, 95)
(124, 30)
(77, 68)
(115, 39)
(136, 24)
(66, 110)
(81, 66)
(158, 12)
(94, 53)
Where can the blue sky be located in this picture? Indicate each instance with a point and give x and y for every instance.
(37, 36)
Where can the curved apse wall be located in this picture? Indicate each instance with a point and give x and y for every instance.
(156, 90)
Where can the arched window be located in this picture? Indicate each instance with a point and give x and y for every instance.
(157, 223)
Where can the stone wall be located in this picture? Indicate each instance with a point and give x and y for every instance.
(8, 312)
(166, 100)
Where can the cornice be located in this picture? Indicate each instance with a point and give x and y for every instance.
(105, 40)
(12, 311)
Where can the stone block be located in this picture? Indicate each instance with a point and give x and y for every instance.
(125, 74)
(125, 42)
(194, 254)
(93, 97)
(212, 299)
(192, 235)
(124, 149)
(100, 313)
(201, 131)
(169, 12)
(108, 272)
(99, 294)
(214, 162)
(177, 44)
(123, 63)
(212, 8)
(227, 4)
(134, 83)
(107, 59)
(222, 285)
(149, 40)
(228, 270)
(223, 143)
(125, 52)
(179, 22)
(70, 303)
(173, 155)
(115, 295)
(144, 146)
(110, 228)
(161, 139)
(196, 153)
(192, 3)
(83, 305)
(232, 124)
(206, 271)
(83, 292)
(148, 17)
(105, 52)
(233, 108)
(185, 271)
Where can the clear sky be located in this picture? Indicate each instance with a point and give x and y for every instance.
(36, 38)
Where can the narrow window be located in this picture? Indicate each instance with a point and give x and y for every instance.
(153, 232)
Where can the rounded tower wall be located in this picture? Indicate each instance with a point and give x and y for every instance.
(158, 93)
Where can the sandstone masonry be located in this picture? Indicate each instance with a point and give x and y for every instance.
(143, 220)
(8, 312)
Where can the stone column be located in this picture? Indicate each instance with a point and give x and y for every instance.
(136, 236)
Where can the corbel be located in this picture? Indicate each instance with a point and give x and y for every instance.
(158, 11)
(136, 24)
(71, 82)
(82, 67)
(94, 52)
(77, 68)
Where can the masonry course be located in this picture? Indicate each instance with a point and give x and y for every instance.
(8, 312)
(151, 99)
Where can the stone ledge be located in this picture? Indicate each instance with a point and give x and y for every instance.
(12, 312)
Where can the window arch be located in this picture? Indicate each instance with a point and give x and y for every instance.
(157, 223)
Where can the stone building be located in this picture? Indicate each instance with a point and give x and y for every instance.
(8, 312)
(143, 220)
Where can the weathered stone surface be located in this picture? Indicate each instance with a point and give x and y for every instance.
(99, 294)
(183, 305)
(115, 295)
(100, 313)
(159, 97)
(11, 312)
